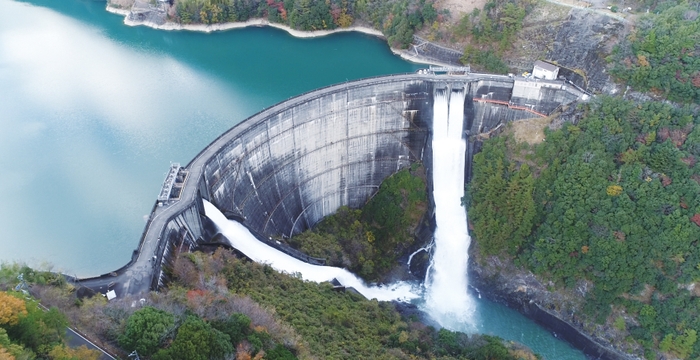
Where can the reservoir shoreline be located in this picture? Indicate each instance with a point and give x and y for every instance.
(260, 22)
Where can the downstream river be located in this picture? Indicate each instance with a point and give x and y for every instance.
(92, 113)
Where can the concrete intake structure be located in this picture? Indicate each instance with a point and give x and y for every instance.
(285, 168)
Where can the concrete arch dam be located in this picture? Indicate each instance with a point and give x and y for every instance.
(285, 168)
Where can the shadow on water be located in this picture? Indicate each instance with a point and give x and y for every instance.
(490, 318)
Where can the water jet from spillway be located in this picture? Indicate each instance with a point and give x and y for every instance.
(445, 287)
(242, 240)
(446, 298)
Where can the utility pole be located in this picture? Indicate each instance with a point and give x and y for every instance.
(22, 286)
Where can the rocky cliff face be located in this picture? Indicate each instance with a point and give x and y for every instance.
(557, 310)
(577, 39)
(582, 42)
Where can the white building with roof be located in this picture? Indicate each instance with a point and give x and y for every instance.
(545, 70)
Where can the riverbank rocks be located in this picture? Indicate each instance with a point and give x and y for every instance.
(556, 309)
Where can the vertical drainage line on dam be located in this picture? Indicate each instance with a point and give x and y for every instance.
(447, 300)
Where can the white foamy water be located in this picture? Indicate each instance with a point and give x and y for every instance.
(446, 298)
(445, 295)
(241, 239)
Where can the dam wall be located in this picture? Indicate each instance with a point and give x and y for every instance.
(183, 230)
(286, 170)
(283, 169)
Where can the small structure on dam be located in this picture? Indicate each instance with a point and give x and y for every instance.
(283, 169)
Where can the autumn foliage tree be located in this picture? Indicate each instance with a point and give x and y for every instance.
(11, 308)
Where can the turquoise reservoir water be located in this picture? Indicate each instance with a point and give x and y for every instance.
(92, 112)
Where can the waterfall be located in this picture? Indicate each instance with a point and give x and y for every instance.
(444, 293)
(446, 297)
(445, 286)
(240, 238)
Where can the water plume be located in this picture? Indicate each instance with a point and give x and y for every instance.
(446, 298)
(241, 239)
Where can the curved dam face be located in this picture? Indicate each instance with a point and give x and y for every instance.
(285, 169)
(282, 170)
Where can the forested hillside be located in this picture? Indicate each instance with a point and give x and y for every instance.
(610, 206)
(663, 55)
(223, 307)
(28, 331)
(370, 240)
(397, 19)
(613, 200)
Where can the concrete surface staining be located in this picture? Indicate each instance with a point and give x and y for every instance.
(288, 171)
(282, 170)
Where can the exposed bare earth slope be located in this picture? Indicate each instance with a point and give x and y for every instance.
(574, 36)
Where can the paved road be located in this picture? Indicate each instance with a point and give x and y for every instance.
(74, 340)
(593, 10)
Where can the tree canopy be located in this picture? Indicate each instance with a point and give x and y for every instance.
(663, 55)
(615, 198)
(146, 330)
(197, 340)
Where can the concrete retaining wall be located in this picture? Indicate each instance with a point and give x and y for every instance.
(432, 52)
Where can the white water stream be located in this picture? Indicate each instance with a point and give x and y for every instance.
(241, 239)
(446, 298)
